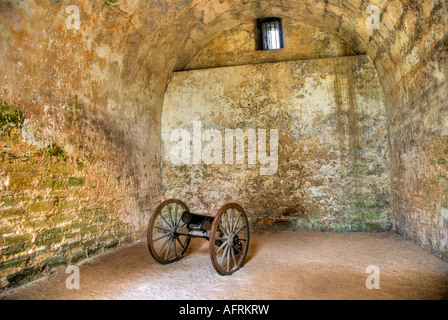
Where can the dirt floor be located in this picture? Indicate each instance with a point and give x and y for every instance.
(280, 265)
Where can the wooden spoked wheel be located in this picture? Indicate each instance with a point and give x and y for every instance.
(164, 243)
(229, 239)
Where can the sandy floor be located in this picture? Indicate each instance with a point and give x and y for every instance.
(281, 265)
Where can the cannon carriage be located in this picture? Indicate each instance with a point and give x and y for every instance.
(172, 226)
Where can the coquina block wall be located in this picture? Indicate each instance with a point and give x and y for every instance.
(333, 170)
(117, 65)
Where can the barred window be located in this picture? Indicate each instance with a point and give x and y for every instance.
(269, 34)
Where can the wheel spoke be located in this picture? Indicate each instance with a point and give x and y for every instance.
(223, 229)
(231, 220)
(160, 238)
(228, 259)
(161, 215)
(168, 250)
(241, 228)
(174, 248)
(233, 256)
(227, 222)
(223, 256)
(220, 248)
(180, 224)
(175, 215)
(163, 246)
(237, 221)
(163, 229)
(180, 242)
(170, 215)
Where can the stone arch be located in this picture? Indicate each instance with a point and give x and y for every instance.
(409, 51)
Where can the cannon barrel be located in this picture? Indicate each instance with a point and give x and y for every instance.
(197, 221)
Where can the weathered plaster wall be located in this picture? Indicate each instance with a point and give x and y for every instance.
(416, 92)
(118, 63)
(73, 89)
(237, 47)
(333, 171)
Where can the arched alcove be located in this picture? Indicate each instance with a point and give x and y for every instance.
(326, 107)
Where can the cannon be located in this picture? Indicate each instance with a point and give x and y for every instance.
(172, 226)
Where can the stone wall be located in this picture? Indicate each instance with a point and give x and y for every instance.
(56, 209)
(120, 59)
(73, 87)
(333, 170)
(238, 47)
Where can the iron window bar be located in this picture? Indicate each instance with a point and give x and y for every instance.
(271, 32)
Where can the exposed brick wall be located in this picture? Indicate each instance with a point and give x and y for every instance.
(54, 210)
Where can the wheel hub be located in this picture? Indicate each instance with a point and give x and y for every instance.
(174, 233)
(236, 241)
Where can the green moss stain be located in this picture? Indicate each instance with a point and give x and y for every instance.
(14, 249)
(112, 244)
(10, 116)
(65, 204)
(55, 151)
(442, 179)
(76, 182)
(24, 275)
(54, 262)
(11, 213)
(53, 183)
(41, 206)
(319, 226)
(17, 240)
(357, 226)
(14, 263)
(300, 223)
(78, 256)
(112, 3)
(121, 233)
(339, 227)
(48, 237)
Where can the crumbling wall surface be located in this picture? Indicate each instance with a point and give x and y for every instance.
(333, 171)
(55, 209)
(419, 138)
(416, 92)
(79, 171)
